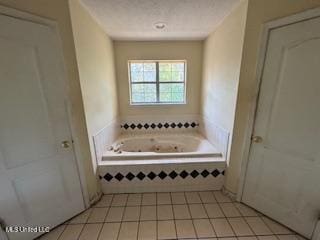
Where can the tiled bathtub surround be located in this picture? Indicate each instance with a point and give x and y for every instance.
(215, 134)
(182, 174)
(148, 124)
(179, 123)
(176, 215)
(106, 137)
(162, 177)
(158, 125)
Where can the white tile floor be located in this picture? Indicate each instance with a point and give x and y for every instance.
(189, 215)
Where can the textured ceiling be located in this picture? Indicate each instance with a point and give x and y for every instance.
(135, 19)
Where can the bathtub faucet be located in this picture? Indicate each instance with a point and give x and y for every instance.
(117, 147)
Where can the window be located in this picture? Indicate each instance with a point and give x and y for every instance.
(157, 82)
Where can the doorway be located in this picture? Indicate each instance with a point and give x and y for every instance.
(283, 169)
(39, 178)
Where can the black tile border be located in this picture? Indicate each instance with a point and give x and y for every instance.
(153, 126)
(162, 175)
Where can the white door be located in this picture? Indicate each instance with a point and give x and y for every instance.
(283, 175)
(39, 182)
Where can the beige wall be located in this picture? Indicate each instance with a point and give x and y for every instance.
(95, 58)
(221, 69)
(259, 12)
(58, 11)
(182, 50)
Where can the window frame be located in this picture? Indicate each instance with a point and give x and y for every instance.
(157, 83)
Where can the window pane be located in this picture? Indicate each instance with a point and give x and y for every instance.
(177, 97)
(143, 72)
(169, 72)
(177, 76)
(149, 76)
(136, 67)
(179, 67)
(143, 93)
(149, 67)
(137, 97)
(164, 66)
(171, 92)
(164, 76)
(136, 76)
(165, 96)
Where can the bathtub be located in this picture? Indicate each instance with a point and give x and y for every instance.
(142, 149)
(161, 162)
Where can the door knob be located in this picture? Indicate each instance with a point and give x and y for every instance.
(65, 144)
(256, 139)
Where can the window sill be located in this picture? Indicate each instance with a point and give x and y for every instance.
(156, 104)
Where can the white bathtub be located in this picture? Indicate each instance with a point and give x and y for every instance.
(161, 163)
(185, 147)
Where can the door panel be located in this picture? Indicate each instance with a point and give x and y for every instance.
(290, 87)
(22, 145)
(39, 180)
(283, 170)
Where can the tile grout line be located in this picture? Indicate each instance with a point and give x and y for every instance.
(214, 230)
(84, 224)
(292, 232)
(188, 205)
(174, 221)
(105, 218)
(232, 228)
(261, 216)
(81, 231)
(139, 215)
(65, 226)
(218, 204)
(125, 205)
(157, 230)
(100, 231)
(256, 235)
(201, 218)
(245, 220)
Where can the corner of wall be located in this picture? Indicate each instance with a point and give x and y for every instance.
(222, 59)
(92, 46)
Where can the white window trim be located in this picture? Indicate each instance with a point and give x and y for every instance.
(157, 83)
